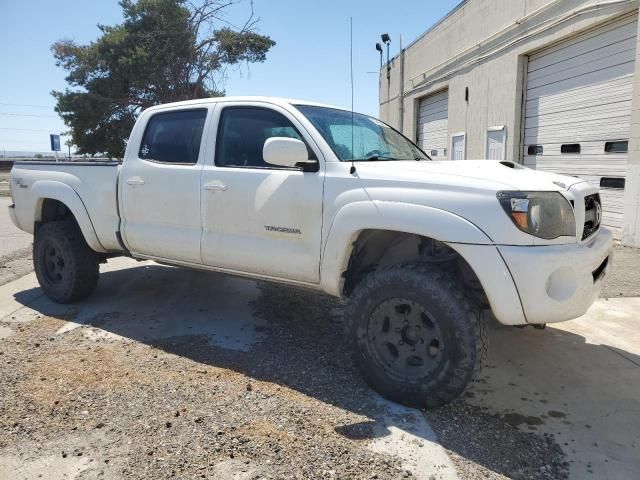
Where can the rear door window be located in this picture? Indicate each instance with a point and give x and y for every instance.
(174, 137)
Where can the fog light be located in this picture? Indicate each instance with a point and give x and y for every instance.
(562, 284)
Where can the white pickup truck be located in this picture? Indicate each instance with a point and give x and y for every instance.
(318, 197)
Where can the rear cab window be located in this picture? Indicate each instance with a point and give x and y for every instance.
(174, 137)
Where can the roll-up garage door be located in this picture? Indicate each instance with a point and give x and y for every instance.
(578, 110)
(433, 125)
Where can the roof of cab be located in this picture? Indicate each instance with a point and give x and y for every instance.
(272, 100)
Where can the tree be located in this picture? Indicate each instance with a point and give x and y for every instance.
(164, 51)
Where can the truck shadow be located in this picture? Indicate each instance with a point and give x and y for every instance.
(269, 333)
(295, 339)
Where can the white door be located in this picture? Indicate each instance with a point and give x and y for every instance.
(458, 147)
(160, 187)
(578, 108)
(496, 143)
(258, 218)
(433, 125)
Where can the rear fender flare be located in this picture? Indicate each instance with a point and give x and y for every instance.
(49, 189)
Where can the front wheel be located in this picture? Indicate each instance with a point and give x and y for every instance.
(66, 267)
(414, 335)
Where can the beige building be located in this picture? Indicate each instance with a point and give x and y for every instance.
(551, 84)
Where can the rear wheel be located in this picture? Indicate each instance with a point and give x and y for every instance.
(66, 267)
(414, 335)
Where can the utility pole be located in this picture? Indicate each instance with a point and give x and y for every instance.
(386, 39)
(401, 120)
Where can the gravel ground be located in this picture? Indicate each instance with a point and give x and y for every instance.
(485, 445)
(15, 265)
(623, 280)
(292, 407)
(184, 409)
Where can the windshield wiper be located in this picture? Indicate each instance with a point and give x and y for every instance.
(373, 158)
(380, 158)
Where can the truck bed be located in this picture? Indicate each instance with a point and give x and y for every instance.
(95, 184)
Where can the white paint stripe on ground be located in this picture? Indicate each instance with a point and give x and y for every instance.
(405, 433)
(15, 295)
(52, 467)
(5, 332)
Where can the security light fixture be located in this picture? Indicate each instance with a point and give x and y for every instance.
(386, 38)
(379, 49)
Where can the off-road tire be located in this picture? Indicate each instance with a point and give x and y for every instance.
(447, 312)
(66, 267)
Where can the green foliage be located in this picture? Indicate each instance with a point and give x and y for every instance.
(164, 51)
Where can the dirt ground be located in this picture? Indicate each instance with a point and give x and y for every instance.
(168, 373)
(624, 278)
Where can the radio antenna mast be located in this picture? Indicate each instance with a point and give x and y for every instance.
(353, 165)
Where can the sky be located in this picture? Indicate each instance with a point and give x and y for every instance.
(310, 60)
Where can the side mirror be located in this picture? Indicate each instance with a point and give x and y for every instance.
(288, 152)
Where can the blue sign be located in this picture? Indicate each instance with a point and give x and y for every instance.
(55, 142)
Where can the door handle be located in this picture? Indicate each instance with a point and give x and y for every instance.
(215, 187)
(135, 181)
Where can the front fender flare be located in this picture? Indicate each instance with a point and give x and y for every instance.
(43, 189)
(393, 216)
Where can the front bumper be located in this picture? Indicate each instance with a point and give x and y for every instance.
(559, 282)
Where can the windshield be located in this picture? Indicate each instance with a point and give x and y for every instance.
(357, 137)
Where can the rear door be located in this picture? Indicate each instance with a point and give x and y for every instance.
(258, 218)
(160, 187)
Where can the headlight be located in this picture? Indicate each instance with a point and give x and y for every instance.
(545, 215)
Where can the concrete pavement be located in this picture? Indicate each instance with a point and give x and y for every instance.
(578, 380)
(15, 247)
(11, 239)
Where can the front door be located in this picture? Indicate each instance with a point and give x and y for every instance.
(259, 218)
(160, 187)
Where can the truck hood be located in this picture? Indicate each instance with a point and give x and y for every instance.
(510, 175)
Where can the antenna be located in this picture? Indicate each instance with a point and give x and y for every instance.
(353, 165)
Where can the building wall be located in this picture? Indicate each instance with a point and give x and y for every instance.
(631, 228)
(483, 45)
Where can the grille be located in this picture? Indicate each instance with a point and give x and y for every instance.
(592, 215)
